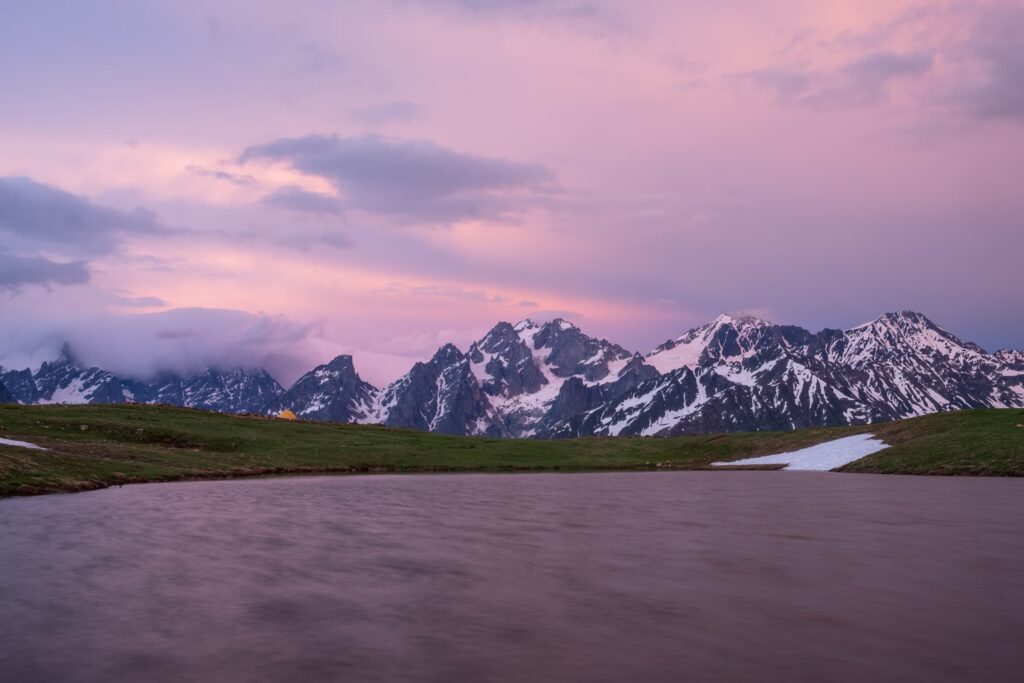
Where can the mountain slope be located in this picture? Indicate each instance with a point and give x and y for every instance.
(333, 392)
(441, 395)
(63, 381)
(20, 385)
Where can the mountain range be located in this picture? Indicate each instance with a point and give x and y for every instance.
(553, 381)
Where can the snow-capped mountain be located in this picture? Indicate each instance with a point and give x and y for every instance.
(237, 390)
(441, 395)
(735, 373)
(523, 368)
(551, 380)
(781, 377)
(61, 381)
(333, 392)
(65, 381)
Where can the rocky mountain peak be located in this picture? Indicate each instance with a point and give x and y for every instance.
(909, 317)
(499, 338)
(571, 352)
(447, 355)
(342, 363)
(442, 395)
(63, 363)
(901, 323)
(726, 337)
(739, 320)
(504, 363)
(903, 334)
(333, 392)
(524, 324)
(223, 390)
(551, 331)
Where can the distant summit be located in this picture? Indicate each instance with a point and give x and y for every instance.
(235, 390)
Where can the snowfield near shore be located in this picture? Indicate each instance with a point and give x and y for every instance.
(20, 444)
(823, 457)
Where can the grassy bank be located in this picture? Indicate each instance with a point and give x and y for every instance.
(96, 446)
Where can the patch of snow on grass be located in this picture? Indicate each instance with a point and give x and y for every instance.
(20, 444)
(823, 457)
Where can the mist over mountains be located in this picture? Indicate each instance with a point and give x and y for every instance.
(552, 380)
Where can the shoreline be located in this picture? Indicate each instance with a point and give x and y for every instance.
(83, 448)
(86, 486)
(27, 491)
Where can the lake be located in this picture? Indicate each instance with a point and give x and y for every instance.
(667, 576)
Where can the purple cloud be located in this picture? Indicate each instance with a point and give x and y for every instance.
(17, 271)
(33, 212)
(180, 340)
(995, 47)
(412, 179)
(862, 81)
(303, 201)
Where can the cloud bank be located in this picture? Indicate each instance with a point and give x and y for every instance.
(183, 340)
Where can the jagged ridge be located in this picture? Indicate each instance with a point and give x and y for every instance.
(551, 380)
(64, 380)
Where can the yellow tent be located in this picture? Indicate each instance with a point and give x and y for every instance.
(287, 415)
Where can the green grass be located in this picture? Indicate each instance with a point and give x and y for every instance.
(971, 442)
(96, 446)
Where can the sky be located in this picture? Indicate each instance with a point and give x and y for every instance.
(187, 183)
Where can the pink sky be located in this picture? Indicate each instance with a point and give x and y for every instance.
(381, 177)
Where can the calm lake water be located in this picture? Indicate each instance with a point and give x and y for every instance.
(577, 577)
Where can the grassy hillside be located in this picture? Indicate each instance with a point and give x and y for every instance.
(971, 442)
(96, 446)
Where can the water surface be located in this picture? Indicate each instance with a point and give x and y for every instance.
(583, 577)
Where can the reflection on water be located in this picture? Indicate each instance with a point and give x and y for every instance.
(585, 577)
